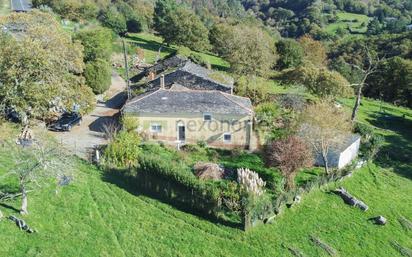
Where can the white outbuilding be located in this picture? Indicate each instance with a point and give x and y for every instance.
(343, 153)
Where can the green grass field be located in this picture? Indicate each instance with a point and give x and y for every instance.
(4, 7)
(151, 45)
(98, 215)
(356, 23)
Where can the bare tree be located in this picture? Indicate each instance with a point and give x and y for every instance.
(289, 155)
(372, 64)
(324, 126)
(34, 165)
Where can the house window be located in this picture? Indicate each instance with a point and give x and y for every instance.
(227, 137)
(207, 117)
(155, 128)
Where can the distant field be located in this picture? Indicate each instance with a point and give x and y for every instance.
(357, 23)
(4, 7)
(154, 49)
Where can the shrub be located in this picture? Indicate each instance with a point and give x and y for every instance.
(134, 25)
(97, 43)
(130, 123)
(98, 75)
(123, 151)
(371, 141)
(289, 155)
(114, 20)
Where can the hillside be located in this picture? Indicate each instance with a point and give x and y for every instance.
(99, 215)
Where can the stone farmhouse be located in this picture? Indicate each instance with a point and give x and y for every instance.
(184, 103)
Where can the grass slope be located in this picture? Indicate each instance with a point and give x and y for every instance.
(151, 45)
(354, 22)
(98, 215)
(4, 7)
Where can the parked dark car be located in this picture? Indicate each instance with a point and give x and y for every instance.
(66, 122)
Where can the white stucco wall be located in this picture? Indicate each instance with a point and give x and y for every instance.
(349, 154)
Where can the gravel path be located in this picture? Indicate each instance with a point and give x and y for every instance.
(90, 132)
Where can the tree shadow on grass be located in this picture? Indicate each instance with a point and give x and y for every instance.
(120, 179)
(9, 207)
(150, 45)
(398, 153)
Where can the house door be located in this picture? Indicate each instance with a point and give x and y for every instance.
(181, 133)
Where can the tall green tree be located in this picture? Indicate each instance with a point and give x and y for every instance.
(97, 43)
(319, 81)
(114, 20)
(40, 65)
(98, 75)
(186, 29)
(290, 53)
(162, 11)
(249, 49)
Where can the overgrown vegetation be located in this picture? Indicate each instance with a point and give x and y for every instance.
(84, 218)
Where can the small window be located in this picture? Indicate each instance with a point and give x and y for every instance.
(155, 128)
(227, 137)
(207, 117)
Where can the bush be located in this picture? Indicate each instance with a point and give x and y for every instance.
(123, 151)
(97, 43)
(371, 142)
(134, 25)
(130, 123)
(114, 20)
(98, 75)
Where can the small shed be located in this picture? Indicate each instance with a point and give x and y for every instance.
(342, 153)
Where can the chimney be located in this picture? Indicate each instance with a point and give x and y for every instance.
(162, 81)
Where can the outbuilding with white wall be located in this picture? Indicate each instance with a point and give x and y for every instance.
(342, 153)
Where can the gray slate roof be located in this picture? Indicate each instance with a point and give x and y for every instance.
(188, 101)
(207, 74)
(178, 69)
(347, 141)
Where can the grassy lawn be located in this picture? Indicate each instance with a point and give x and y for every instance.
(98, 215)
(4, 7)
(352, 21)
(151, 44)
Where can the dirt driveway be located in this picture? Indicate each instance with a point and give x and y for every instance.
(81, 139)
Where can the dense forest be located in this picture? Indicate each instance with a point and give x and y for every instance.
(325, 45)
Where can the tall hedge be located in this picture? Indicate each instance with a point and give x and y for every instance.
(98, 75)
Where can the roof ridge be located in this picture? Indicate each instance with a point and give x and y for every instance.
(137, 100)
(241, 105)
(205, 77)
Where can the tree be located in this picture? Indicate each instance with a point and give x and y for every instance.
(255, 88)
(98, 75)
(162, 10)
(323, 127)
(315, 52)
(369, 68)
(392, 81)
(219, 35)
(40, 66)
(186, 29)
(289, 155)
(250, 50)
(36, 164)
(290, 53)
(97, 43)
(114, 20)
(319, 81)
